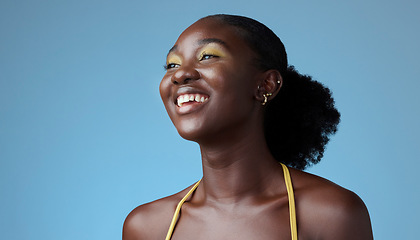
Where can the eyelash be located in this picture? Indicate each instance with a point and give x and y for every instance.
(203, 56)
(169, 66)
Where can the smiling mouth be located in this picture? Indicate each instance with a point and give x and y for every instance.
(190, 98)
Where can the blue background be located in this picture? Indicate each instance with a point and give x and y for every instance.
(84, 137)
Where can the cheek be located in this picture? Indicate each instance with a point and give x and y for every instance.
(219, 76)
(233, 93)
(231, 81)
(164, 88)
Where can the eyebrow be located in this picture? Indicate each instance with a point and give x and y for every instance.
(211, 40)
(172, 49)
(202, 42)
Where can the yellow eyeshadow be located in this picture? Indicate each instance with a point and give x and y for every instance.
(173, 59)
(211, 50)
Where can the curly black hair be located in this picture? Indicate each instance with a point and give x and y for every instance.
(300, 119)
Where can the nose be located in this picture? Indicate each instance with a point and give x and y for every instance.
(184, 74)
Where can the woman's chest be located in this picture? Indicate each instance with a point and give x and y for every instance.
(269, 224)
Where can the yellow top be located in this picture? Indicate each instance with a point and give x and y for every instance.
(290, 194)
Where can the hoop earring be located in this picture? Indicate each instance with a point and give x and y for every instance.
(266, 95)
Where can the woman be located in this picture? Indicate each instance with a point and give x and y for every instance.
(229, 88)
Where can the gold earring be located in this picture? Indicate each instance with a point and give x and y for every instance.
(266, 95)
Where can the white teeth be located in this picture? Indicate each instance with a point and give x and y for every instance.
(191, 98)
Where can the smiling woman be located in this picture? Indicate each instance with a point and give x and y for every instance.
(229, 88)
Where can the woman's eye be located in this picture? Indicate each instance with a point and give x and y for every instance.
(170, 65)
(206, 56)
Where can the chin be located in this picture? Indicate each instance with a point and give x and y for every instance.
(191, 131)
(189, 134)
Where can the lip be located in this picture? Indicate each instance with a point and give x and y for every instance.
(190, 106)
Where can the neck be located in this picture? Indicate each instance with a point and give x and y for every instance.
(238, 168)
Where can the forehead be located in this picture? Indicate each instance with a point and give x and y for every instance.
(209, 30)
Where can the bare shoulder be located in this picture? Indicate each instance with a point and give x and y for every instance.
(151, 220)
(327, 210)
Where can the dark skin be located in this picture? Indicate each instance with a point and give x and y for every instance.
(242, 194)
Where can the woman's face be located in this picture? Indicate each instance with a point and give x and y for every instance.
(210, 83)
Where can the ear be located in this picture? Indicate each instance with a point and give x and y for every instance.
(271, 82)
